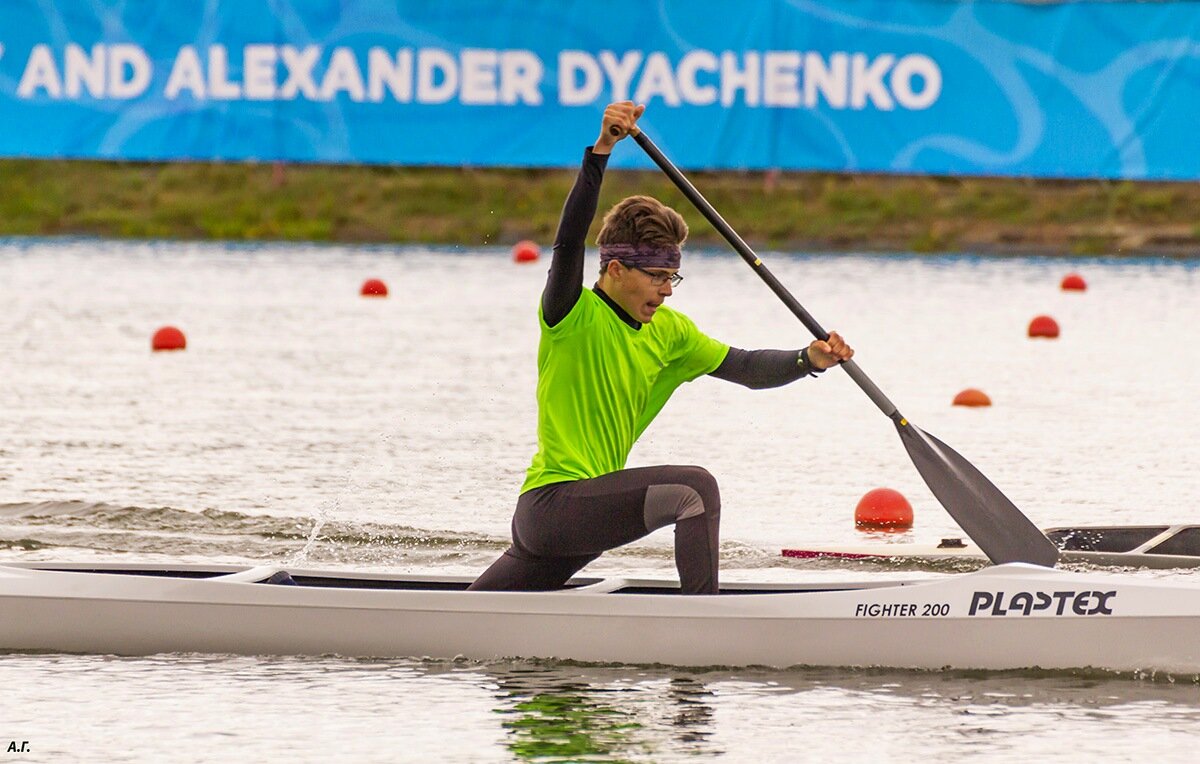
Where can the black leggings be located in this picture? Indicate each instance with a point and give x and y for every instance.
(557, 529)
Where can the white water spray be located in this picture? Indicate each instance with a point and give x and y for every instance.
(330, 508)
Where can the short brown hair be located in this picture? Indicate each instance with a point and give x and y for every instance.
(642, 220)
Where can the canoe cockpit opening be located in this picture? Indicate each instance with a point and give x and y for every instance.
(1185, 543)
(1174, 540)
(575, 584)
(268, 575)
(151, 573)
(1103, 539)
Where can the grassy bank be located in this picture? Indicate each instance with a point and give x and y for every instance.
(470, 207)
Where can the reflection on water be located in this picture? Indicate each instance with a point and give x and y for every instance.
(565, 724)
(555, 716)
(566, 712)
(320, 709)
(693, 716)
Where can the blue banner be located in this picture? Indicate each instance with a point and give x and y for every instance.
(1078, 89)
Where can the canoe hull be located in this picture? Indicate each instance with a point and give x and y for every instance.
(1106, 622)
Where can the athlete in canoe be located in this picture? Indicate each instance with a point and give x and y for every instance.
(608, 360)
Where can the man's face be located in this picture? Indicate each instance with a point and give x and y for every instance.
(637, 292)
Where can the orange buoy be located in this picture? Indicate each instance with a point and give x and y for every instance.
(1043, 326)
(525, 252)
(373, 288)
(1073, 282)
(168, 338)
(883, 508)
(972, 397)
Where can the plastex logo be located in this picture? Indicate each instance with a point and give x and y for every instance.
(1088, 602)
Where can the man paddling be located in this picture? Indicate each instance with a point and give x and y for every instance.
(609, 358)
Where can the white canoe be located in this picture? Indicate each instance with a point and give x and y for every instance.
(1132, 546)
(1003, 617)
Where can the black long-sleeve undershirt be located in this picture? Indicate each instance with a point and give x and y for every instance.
(756, 369)
(564, 283)
(761, 369)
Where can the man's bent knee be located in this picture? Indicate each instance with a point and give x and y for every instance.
(694, 494)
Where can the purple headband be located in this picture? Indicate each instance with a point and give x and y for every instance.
(641, 255)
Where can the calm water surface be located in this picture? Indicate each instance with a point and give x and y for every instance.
(304, 423)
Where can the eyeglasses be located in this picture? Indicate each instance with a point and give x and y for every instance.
(657, 278)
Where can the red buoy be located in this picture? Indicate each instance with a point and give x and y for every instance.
(168, 338)
(1043, 326)
(1073, 282)
(525, 252)
(972, 397)
(883, 508)
(373, 288)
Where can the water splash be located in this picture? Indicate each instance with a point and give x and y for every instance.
(330, 508)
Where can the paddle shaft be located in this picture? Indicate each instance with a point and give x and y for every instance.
(709, 212)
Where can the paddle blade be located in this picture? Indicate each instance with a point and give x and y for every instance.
(986, 515)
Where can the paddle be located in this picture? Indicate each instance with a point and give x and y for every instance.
(988, 517)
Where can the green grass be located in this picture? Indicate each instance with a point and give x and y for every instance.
(472, 207)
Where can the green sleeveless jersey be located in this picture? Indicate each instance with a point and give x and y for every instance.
(601, 382)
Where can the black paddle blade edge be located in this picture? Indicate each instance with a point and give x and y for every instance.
(985, 514)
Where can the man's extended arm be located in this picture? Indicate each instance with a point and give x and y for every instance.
(565, 280)
(760, 369)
